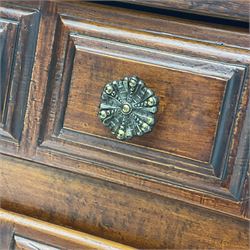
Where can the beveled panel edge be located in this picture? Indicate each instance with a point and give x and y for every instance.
(161, 58)
(16, 10)
(24, 77)
(238, 166)
(161, 41)
(132, 150)
(156, 24)
(221, 200)
(169, 170)
(227, 120)
(20, 76)
(9, 35)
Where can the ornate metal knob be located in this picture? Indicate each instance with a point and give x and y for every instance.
(127, 107)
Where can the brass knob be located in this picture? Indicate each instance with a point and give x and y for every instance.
(128, 107)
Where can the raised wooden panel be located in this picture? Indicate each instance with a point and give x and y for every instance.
(8, 32)
(188, 108)
(190, 100)
(8, 35)
(18, 31)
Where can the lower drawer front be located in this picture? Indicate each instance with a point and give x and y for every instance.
(22, 232)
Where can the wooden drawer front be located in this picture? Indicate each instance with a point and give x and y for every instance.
(18, 31)
(190, 99)
(22, 232)
(200, 87)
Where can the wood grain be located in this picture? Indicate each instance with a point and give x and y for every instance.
(115, 212)
(17, 60)
(157, 171)
(232, 9)
(112, 43)
(159, 25)
(6, 235)
(29, 233)
(128, 192)
(188, 110)
(8, 38)
(39, 77)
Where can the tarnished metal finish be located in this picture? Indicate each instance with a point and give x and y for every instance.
(127, 107)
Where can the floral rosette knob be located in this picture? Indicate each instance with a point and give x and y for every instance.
(128, 107)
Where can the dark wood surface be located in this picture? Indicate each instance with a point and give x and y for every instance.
(185, 185)
(183, 127)
(230, 9)
(18, 30)
(72, 127)
(115, 212)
